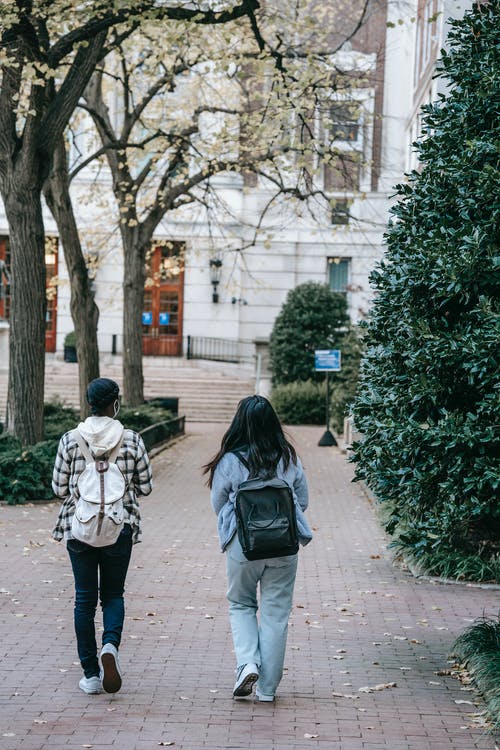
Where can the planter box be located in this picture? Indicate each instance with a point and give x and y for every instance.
(70, 354)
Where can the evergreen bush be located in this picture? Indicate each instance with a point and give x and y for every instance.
(428, 398)
(26, 475)
(302, 402)
(312, 317)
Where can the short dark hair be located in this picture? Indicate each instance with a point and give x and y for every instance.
(101, 392)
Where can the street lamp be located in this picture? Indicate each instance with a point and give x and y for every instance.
(215, 266)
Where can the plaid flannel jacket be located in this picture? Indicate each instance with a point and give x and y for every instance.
(133, 462)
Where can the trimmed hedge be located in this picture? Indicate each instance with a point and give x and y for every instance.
(300, 403)
(26, 475)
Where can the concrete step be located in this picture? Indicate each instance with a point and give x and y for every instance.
(206, 394)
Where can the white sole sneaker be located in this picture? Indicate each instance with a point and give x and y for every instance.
(247, 677)
(90, 685)
(110, 669)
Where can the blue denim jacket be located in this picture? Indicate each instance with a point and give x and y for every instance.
(229, 474)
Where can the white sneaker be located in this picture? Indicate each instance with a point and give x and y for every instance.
(262, 698)
(246, 676)
(90, 685)
(110, 668)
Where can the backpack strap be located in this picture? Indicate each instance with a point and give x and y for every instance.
(89, 458)
(242, 458)
(116, 450)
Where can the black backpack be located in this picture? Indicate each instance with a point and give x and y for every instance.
(265, 517)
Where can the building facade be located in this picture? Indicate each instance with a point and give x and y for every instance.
(199, 299)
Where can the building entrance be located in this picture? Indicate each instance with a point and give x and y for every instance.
(164, 300)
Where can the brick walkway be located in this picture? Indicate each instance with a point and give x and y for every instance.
(357, 622)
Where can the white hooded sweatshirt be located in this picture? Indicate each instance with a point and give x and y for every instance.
(101, 434)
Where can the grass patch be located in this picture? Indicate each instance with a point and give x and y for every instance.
(478, 649)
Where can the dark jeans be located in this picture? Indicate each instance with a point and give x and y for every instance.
(99, 570)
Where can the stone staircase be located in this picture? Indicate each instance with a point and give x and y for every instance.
(207, 391)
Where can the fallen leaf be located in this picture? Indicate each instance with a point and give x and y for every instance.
(380, 686)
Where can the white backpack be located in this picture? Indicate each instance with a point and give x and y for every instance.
(99, 513)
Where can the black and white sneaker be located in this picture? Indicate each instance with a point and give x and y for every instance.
(246, 676)
(110, 669)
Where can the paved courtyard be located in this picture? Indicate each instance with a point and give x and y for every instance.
(366, 665)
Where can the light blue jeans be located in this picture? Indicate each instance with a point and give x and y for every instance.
(263, 641)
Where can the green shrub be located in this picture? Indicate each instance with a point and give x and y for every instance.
(300, 403)
(428, 398)
(138, 418)
(26, 475)
(312, 317)
(70, 339)
(478, 648)
(58, 418)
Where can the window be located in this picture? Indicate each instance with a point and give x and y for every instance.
(340, 212)
(338, 274)
(345, 122)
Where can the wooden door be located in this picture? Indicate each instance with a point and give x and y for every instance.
(4, 278)
(163, 301)
(51, 265)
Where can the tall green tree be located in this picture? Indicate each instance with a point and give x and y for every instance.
(428, 398)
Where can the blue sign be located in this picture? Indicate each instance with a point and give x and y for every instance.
(147, 318)
(164, 319)
(327, 360)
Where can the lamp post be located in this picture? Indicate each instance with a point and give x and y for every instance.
(215, 266)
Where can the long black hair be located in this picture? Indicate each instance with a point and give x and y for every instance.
(256, 431)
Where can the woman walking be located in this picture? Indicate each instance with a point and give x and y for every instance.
(257, 436)
(100, 570)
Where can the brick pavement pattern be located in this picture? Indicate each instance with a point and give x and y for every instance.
(357, 622)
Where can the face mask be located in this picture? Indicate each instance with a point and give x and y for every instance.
(116, 407)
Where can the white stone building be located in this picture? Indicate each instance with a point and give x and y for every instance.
(339, 247)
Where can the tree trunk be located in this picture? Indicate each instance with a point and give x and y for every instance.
(84, 311)
(133, 297)
(27, 314)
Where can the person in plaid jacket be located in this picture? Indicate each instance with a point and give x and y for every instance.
(101, 571)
